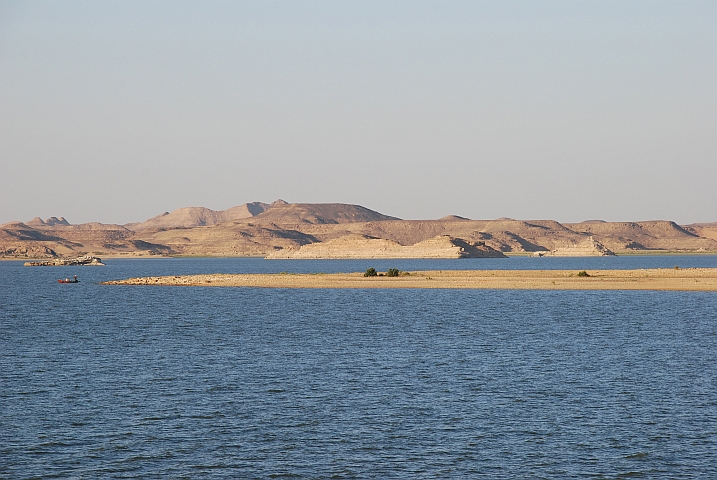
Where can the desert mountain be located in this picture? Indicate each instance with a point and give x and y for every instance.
(190, 217)
(50, 222)
(275, 212)
(20, 240)
(319, 213)
(652, 235)
(306, 230)
(230, 239)
(503, 235)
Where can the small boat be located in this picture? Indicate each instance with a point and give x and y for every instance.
(68, 280)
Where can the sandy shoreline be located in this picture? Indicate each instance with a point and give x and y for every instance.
(690, 279)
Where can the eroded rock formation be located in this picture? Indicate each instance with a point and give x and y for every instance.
(362, 246)
(281, 228)
(587, 248)
(86, 260)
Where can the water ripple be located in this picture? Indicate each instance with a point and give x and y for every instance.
(166, 382)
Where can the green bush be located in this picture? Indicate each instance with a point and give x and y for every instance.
(583, 274)
(371, 272)
(393, 272)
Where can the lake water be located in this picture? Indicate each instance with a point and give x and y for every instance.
(169, 382)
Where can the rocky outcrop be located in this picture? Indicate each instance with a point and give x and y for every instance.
(362, 246)
(27, 251)
(318, 214)
(50, 222)
(67, 262)
(588, 248)
(18, 240)
(281, 228)
(706, 230)
(653, 235)
(190, 217)
(231, 240)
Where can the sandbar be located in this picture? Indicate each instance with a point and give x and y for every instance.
(688, 279)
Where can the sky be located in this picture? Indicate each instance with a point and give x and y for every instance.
(117, 111)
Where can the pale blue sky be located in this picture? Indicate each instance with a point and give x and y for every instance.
(118, 111)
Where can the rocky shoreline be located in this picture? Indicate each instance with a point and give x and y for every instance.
(689, 279)
(67, 262)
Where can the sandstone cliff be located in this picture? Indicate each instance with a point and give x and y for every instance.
(18, 240)
(86, 260)
(588, 247)
(706, 230)
(362, 246)
(260, 229)
(652, 235)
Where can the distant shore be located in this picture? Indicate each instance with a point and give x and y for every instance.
(688, 279)
(115, 256)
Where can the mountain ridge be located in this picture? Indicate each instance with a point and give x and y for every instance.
(261, 229)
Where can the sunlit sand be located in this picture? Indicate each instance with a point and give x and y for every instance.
(695, 279)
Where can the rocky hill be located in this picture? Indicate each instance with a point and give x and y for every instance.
(304, 230)
(653, 235)
(230, 239)
(190, 217)
(50, 222)
(362, 246)
(588, 247)
(318, 214)
(706, 230)
(19, 240)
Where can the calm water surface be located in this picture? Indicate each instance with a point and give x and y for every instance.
(137, 382)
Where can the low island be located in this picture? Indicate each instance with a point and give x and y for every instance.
(689, 279)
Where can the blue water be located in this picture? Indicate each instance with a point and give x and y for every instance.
(169, 382)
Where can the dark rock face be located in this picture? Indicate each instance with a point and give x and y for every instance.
(476, 249)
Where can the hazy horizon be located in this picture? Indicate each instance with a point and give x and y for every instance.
(118, 111)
